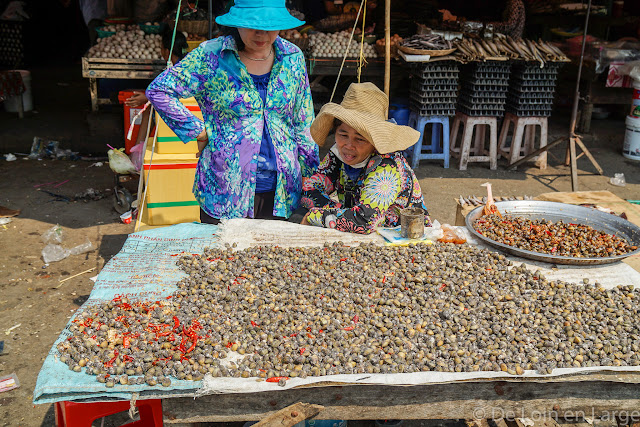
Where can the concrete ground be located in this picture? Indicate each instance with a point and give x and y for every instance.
(35, 305)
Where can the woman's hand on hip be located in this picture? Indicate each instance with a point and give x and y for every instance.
(202, 140)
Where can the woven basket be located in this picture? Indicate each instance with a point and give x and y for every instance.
(412, 51)
(381, 51)
(192, 27)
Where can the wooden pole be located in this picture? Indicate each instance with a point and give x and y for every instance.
(387, 46)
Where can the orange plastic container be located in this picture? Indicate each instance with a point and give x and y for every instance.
(129, 114)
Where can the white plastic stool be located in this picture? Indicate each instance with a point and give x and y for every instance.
(477, 153)
(523, 140)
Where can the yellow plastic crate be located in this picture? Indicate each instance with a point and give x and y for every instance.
(169, 192)
(168, 142)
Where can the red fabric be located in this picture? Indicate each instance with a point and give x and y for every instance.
(10, 84)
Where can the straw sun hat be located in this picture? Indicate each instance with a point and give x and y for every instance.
(365, 108)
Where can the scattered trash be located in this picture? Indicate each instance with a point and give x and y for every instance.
(60, 183)
(52, 252)
(89, 194)
(1, 347)
(53, 235)
(75, 275)
(618, 180)
(434, 232)
(8, 331)
(57, 197)
(9, 382)
(126, 217)
(10, 157)
(4, 221)
(97, 164)
(119, 162)
(50, 150)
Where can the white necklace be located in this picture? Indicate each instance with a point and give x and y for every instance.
(258, 59)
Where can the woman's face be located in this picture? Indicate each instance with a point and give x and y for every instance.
(257, 40)
(353, 147)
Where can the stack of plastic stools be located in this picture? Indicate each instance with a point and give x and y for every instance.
(523, 139)
(438, 148)
(477, 152)
(73, 414)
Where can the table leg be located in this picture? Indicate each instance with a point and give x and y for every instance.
(93, 91)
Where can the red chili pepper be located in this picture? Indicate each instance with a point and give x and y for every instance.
(193, 346)
(548, 232)
(413, 259)
(293, 335)
(384, 279)
(355, 319)
(302, 350)
(310, 336)
(176, 322)
(348, 328)
(229, 344)
(553, 250)
(127, 358)
(254, 324)
(125, 342)
(119, 318)
(442, 286)
(113, 359)
(320, 331)
(169, 297)
(343, 259)
(276, 379)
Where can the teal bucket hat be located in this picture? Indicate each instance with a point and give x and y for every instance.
(267, 15)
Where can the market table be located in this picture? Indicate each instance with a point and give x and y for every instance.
(146, 268)
(117, 68)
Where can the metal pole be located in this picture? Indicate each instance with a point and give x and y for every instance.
(387, 46)
(210, 12)
(576, 101)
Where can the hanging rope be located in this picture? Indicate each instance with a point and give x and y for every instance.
(346, 51)
(173, 38)
(362, 59)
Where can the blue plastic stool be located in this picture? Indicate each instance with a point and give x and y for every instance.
(439, 136)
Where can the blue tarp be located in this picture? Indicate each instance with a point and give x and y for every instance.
(145, 268)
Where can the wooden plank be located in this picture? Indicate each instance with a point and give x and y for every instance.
(124, 61)
(291, 415)
(114, 74)
(118, 67)
(468, 400)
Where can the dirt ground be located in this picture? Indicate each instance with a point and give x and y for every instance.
(32, 296)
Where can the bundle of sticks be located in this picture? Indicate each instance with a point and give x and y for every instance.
(504, 47)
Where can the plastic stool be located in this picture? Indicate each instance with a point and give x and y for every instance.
(477, 153)
(439, 135)
(523, 130)
(73, 414)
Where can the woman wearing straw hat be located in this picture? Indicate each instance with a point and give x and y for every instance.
(253, 90)
(365, 166)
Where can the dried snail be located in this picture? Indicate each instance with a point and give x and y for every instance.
(299, 312)
(548, 237)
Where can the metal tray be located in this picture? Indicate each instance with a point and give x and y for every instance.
(554, 211)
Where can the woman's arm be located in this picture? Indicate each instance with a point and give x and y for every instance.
(317, 188)
(380, 190)
(183, 80)
(303, 116)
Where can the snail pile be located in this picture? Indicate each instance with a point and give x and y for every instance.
(299, 312)
(334, 45)
(548, 237)
(128, 44)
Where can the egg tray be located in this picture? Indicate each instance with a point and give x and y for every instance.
(433, 97)
(432, 112)
(480, 113)
(515, 94)
(485, 82)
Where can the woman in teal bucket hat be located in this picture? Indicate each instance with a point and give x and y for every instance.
(253, 90)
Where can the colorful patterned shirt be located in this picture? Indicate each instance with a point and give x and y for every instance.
(385, 184)
(234, 118)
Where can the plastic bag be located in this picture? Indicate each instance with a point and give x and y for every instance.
(618, 180)
(137, 156)
(82, 248)
(120, 163)
(53, 235)
(53, 253)
(452, 235)
(434, 232)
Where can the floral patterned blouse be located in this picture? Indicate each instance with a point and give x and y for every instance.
(385, 183)
(234, 118)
